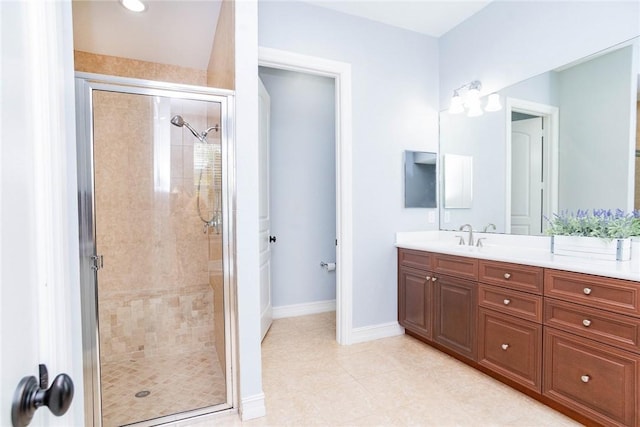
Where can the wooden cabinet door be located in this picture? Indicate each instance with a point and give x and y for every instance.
(455, 307)
(415, 295)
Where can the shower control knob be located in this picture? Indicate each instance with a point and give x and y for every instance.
(272, 239)
(31, 395)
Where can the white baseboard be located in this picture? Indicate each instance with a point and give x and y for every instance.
(252, 407)
(304, 309)
(375, 332)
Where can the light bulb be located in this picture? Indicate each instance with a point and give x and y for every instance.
(134, 5)
(493, 103)
(475, 110)
(456, 106)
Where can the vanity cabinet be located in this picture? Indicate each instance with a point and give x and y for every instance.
(437, 299)
(570, 340)
(592, 345)
(510, 321)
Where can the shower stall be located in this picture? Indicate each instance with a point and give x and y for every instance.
(156, 231)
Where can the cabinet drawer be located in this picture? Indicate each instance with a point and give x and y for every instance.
(592, 378)
(414, 259)
(516, 303)
(511, 347)
(615, 329)
(466, 268)
(620, 296)
(513, 276)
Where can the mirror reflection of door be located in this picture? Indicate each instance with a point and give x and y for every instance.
(636, 204)
(527, 186)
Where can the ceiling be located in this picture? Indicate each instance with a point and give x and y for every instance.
(178, 32)
(430, 17)
(181, 32)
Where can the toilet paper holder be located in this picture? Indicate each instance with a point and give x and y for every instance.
(330, 266)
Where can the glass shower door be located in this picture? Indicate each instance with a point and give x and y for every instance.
(158, 228)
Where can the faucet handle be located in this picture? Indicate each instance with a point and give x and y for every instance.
(489, 226)
(461, 241)
(479, 242)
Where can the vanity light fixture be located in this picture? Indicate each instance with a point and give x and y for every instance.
(133, 5)
(493, 103)
(467, 97)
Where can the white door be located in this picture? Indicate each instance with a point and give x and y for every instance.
(527, 176)
(39, 293)
(266, 311)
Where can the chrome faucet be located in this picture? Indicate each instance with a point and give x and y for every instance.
(489, 226)
(470, 240)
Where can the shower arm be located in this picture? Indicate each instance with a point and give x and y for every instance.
(206, 132)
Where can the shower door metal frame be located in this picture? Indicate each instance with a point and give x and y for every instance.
(86, 83)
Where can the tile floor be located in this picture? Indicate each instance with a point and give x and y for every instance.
(310, 380)
(177, 383)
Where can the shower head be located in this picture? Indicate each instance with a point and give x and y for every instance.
(178, 121)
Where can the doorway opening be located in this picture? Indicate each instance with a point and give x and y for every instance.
(341, 73)
(298, 193)
(532, 166)
(156, 228)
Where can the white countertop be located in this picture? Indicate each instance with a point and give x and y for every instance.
(528, 250)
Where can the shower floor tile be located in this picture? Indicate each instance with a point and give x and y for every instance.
(176, 383)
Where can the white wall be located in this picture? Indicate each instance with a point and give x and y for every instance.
(302, 186)
(247, 259)
(395, 99)
(596, 133)
(510, 41)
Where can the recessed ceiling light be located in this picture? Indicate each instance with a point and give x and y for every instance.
(133, 5)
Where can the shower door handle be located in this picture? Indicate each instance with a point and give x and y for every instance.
(31, 395)
(272, 239)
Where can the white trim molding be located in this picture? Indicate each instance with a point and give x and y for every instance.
(341, 72)
(375, 332)
(295, 310)
(252, 407)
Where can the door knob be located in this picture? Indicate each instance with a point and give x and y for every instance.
(272, 239)
(30, 395)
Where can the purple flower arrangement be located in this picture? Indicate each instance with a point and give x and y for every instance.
(603, 223)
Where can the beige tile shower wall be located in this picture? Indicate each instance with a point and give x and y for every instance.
(125, 67)
(154, 291)
(221, 69)
(148, 323)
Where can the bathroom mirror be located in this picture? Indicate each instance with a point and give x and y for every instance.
(586, 112)
(420, 179)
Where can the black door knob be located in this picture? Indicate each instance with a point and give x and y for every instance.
(272, 239)
(30, 395)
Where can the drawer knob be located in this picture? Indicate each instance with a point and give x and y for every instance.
(433, 279)
(586, 322)
(507, 276)
(507, 301)
(428, 278)
(505, 346)
(586, 291)
(585, 378)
